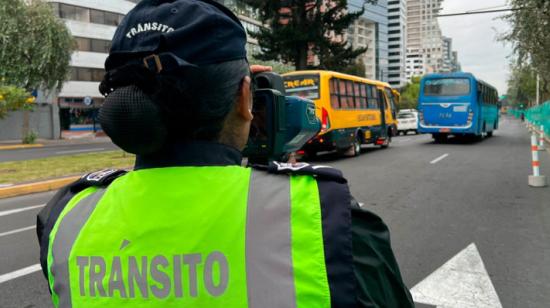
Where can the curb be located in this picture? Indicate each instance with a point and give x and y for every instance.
(32, 188)
(20, 146)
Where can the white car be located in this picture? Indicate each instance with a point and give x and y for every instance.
(407, 121)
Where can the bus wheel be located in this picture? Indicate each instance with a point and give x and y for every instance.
(387, 141)
(490, 134)
(357, 146)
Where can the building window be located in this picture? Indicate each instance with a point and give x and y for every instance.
(82, 14)
(93, 45)
(87, 74)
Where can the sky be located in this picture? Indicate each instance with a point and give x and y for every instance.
(475, 39)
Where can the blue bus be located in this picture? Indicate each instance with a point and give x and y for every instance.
(457, 104)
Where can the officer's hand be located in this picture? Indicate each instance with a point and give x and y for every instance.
(254, 69)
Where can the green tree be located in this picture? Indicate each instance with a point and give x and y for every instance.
(529, 35)
(35, 49)
(357, 69)
(300, 28)
(410, 93)
(522, 85)
(13, 98)
(277, 66)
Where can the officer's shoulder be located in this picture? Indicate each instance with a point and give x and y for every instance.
(320, 172)
(100, 179)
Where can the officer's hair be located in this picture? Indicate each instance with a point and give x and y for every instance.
(197, 101)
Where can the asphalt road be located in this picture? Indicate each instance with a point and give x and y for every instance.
(55, 150)
(437, 199)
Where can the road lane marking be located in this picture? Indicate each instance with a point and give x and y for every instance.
(403, 140)
(15, 211)
(20, 273)
(440, 158)
(17, 231)
(80, 151)
(463, 281)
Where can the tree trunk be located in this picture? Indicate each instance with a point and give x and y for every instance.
(301, 60)
(300, 22)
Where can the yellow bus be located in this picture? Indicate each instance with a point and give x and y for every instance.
(353, 110)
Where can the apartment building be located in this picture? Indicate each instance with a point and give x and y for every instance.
(424, 38)
(93, 23)
(250, 19)
(397, 39)
(371, 30)
(450, 57)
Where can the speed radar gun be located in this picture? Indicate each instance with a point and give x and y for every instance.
(281, 125)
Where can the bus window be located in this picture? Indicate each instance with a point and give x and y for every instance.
(447, 87)
(351, 103)
(334, 94)
(357, 93)
(343, 94)
(389, 93)
(372, 95)
(382, 99)
(362, 96)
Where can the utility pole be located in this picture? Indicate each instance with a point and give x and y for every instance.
(538, 90)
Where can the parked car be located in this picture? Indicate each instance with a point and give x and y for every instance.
(407, 121)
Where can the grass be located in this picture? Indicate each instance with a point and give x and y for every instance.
(61, 166)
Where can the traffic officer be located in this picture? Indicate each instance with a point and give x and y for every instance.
(190, 227)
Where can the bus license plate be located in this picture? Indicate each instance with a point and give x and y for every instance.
(445, 130)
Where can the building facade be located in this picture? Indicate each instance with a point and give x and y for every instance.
(93, 24)
(371, 30)
(397, 42)
(450, 57)
(424, 38)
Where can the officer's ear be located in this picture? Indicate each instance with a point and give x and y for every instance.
(244, 100)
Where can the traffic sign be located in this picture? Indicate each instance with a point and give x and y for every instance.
(88, 101)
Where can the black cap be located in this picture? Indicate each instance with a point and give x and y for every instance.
(166, 35)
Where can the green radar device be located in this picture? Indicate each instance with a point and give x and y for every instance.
(281, 125)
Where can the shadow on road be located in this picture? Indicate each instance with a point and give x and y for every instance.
(334, 156)
(456, 140)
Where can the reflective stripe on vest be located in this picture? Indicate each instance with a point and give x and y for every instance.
(248, 239)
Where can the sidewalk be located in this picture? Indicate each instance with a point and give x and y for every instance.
(69, 138)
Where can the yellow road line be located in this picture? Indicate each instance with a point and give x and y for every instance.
(20, 146)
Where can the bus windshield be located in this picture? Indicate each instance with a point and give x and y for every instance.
(447, 87)
(304, 86)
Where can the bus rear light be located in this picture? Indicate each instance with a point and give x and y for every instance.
(325, 123)
(301, 152)
(321, 140)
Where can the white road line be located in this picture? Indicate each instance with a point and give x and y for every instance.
(20, 273)
(17, 231)
(80, 151)
(404, 140)
(15, 211)
(440, 158)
